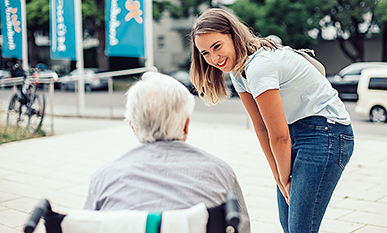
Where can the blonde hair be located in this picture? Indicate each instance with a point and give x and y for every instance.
(207, 79)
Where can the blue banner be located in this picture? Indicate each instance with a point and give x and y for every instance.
(125, 30)
(62, 30)
(11, 28)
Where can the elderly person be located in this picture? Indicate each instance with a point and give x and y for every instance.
(163, 172)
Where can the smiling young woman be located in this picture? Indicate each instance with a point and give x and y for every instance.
(217, 49)
(302, 125)
(231, 33)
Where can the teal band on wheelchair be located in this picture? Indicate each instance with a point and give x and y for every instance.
(153, 222)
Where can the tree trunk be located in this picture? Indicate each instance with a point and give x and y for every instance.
(384, 43)
(102, 59)
(357, 43)
(33, 51)
(359, 46)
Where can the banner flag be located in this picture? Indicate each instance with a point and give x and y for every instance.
(11, 28)
(62, 30)
(125, 28)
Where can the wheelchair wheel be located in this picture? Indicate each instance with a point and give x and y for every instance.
(36, 113)
(16, 115)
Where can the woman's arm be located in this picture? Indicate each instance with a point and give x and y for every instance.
(273, 134)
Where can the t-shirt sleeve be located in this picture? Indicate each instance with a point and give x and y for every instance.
(262, 75)
(238, 84)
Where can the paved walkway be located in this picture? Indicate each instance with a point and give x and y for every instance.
(59, 168)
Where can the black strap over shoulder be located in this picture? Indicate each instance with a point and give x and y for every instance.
(244, 74)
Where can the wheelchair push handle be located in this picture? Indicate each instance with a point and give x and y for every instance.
(40, 210)
(232, 213)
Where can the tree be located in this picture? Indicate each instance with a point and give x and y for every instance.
(93, 13)
(38, 14)
(294, 21)
(380, 13)
(353, 21)
(290, 20)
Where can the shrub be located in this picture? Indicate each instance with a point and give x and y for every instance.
(17, 133)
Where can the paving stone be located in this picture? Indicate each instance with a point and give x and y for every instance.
(25, 205)
(383, 200)
(371, 229)
(12, 218)
(5, 229)
(366, 218)
(59, 168)
(334, 212)
(364, 206)
(335, 226)
(4, 196)
(38, 182)
(265, 227)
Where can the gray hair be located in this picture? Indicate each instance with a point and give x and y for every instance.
(157, 107)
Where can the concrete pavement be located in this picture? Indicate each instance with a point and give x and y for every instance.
(59, 168)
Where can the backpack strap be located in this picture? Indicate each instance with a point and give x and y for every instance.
(304, 52)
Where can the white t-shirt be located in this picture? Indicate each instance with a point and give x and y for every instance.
(304, 91)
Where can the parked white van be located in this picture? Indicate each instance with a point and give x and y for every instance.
(372, 91)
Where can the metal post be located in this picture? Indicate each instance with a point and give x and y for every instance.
(51, 93)
(24, 36)
(110, 89)
(79, 53)
(149, 34)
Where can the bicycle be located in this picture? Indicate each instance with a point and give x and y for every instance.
(27, 107)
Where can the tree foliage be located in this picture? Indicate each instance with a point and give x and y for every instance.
(293, 21)
(353, 21)
(381, 18)
(289, 20)
(38, 15)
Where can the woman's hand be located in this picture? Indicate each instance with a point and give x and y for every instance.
(285, 189)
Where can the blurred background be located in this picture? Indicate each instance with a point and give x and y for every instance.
(341, 32)
(347, 37)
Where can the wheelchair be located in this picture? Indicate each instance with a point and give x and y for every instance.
(224, 218)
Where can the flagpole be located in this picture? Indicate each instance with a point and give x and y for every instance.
(24, 36)
(149, 34)
(79, 54)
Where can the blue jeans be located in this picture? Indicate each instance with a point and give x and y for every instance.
(320, 152)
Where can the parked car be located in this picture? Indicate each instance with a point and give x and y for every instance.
(346, 81)
(45, 75)
(70, 81)
(372, 91)
(184, 77)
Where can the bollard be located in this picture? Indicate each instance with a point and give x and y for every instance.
(51, 94)
(110, 90)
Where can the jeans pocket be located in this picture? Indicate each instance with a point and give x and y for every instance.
(347, 144)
